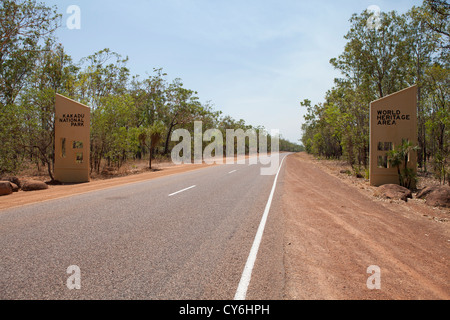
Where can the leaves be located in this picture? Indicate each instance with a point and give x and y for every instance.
(405, 50)
(23, 24)
(398, 158)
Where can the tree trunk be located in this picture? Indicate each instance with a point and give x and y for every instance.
(49, 168)
(169, 132)
(150, 151)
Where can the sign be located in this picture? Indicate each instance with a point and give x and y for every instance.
(72, 140)
(75, 120)
(393, 119)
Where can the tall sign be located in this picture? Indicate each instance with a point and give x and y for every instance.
(72, 140)
(393, 119)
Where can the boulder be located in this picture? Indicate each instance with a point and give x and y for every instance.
(424, 192)
(436, 196)
(15, 180)
(5, 188)
(33, 185)
(394, 192)
(15, 187)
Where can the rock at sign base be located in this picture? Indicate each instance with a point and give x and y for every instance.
(15, 180)
(33, 185)
(15, 187)
(5, 188)
(394, 192)
(436, 196)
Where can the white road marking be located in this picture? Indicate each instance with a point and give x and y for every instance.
(172, 194)
(241, 291)
(232, 172)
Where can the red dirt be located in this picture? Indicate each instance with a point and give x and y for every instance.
(336, 229)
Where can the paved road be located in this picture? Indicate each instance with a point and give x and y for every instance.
(148, 240)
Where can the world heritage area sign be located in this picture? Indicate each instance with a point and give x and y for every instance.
(393, 119)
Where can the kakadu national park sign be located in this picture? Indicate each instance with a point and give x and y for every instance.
(72, 140)
(393, 119)
(75, 120)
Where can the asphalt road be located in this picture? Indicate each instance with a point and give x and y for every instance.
(186, 236)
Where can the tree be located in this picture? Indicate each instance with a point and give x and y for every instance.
(436, 16)
(374, 56)
(104, 73)
(438, 124)
(150, 137)
(111, 134)
(182, 108)
(421, 45)
(54, 73)
(150, 96)
(23, 26)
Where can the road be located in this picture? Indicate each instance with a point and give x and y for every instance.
(185, 236)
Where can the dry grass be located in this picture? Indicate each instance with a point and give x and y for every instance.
(130, 168)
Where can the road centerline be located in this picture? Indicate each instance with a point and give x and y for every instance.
(180, 191)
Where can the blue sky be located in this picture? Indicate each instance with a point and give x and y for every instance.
(253, 59)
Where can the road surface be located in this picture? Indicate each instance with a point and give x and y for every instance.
(186, 236)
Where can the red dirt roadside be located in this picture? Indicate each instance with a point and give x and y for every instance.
(335, 230)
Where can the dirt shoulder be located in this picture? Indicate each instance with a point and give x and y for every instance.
(336, 229)
(60, 191)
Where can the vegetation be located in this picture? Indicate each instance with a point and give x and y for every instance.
(398, 158)
(131, 117)
(407, 49)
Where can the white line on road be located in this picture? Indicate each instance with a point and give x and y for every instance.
(241, 291)
(232, 171)
(172, 194)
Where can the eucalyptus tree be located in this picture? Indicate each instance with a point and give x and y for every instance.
(438, 122)
(374, 56)
(102, 74)
(437, 13)
(181, 109)
(102, 84)
(150, 96)
(54, 73)
(150, 137)
(421, 46)
(24, 27)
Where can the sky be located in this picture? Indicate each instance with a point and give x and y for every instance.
(253, 59)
